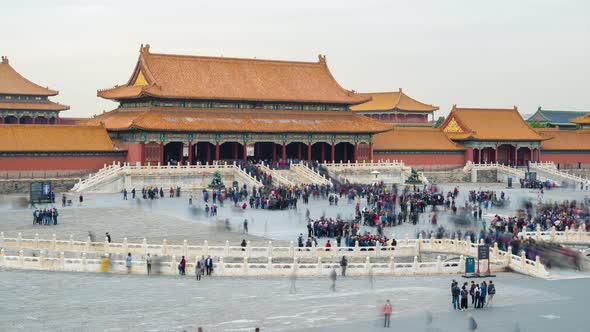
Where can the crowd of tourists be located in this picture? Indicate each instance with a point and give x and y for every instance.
(482, 295)
(45, 216)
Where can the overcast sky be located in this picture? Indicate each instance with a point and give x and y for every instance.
(466, 52)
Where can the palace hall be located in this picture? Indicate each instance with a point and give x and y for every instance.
(178, 108)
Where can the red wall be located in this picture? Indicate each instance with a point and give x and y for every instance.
(567, 159)
(56, 163)
(133, 152)
(425, 159)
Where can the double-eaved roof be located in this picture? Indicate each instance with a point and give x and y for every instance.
(392, 101)
(219, 78)
(555, 118)
(488, 124)
(14, 84)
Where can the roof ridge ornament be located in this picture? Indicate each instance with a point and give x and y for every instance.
(322, 58)
(144, 48)
(5, 59)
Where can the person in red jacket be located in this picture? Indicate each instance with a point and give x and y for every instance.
(182, 266)
(328, 245)
(387, 310)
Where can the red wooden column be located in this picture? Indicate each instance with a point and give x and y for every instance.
(181, 154)
(355, 152)
(217, 151)
(371, 151)
(538, 155)
(345, 152)
(142, 153)
(284, 154)
(299, 155)
(468, 154)
(515, 155)
(208, 152)
(308, 151)
(161, 153)
(245, 156)
(235, 150)
(190, 153)
(333, 153)
(323, 158)
(479, 155)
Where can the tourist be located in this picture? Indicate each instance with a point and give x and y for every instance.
(477, 294)
(387, 310)
(63, 200)
(491, 293)
(54, 215)
(148, 263)
(333, 279)
(81, 199)
(198, 270)
(484, 292)
(243, 244)
(472, 292)
(128, 263)
(108, 236)
(190, 200)
(182, 266)
(328, 245)
(292, 281)
(209, 265)
(455, 293)
(464, 294)
(245, 226)
(124, 194)
(133, 193)
(343, 265)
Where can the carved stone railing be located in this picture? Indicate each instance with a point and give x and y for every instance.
(569, 236)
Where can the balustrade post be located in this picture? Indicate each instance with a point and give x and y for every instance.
(313, 254)
(2, 257)
(21, 259)
(71, 243)
(248, 248)
(438, 264)
(538, 234)
(509, 254)
(1, 239)
(580, 232)
(62, 260)
(357, 248)
(165, 247)
(269, 249)
(495, 250)
(367, 264)
(36, 241)
(320, 267)
(144, 246)
(523, 262)
(433, 245)
(53, 242)
(245, 266)
(87, 244)
(538, 264)
(461, 263)
(552, 233)
(220, 267)
(392, 264)
(125, 245)
(84, 262)
(206, 247)
(567, 233)
(184, 248)
(415, 265)
(269, 266)
(174, 265)
(19, 239)
(291, 249)
(41, 258)
(106, 245)
(226, 249)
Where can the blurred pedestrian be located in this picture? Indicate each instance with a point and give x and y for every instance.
(387, 310)
(343, 265)
(471, 324)
(128, 263)
(148, 263)
(333, 279)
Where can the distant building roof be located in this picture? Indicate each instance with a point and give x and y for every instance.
(220, 78)
(488, 124)
(582, 120)
(13, 83)
(45, 105)
(414, 139)
(554, 117)
(54, 138)
(394, 100)
(236, 120)
(565, 139)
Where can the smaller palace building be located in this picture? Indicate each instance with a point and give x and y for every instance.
(24, 102)
(396, 107)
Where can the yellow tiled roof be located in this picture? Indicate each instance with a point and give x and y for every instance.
(54, 138)
(385, 101)
(565, 139)
(414, 139)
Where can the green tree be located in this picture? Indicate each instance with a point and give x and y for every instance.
(439, 121)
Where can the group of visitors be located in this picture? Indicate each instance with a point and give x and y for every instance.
(478, 293)
(152, 193)
(45, 216)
